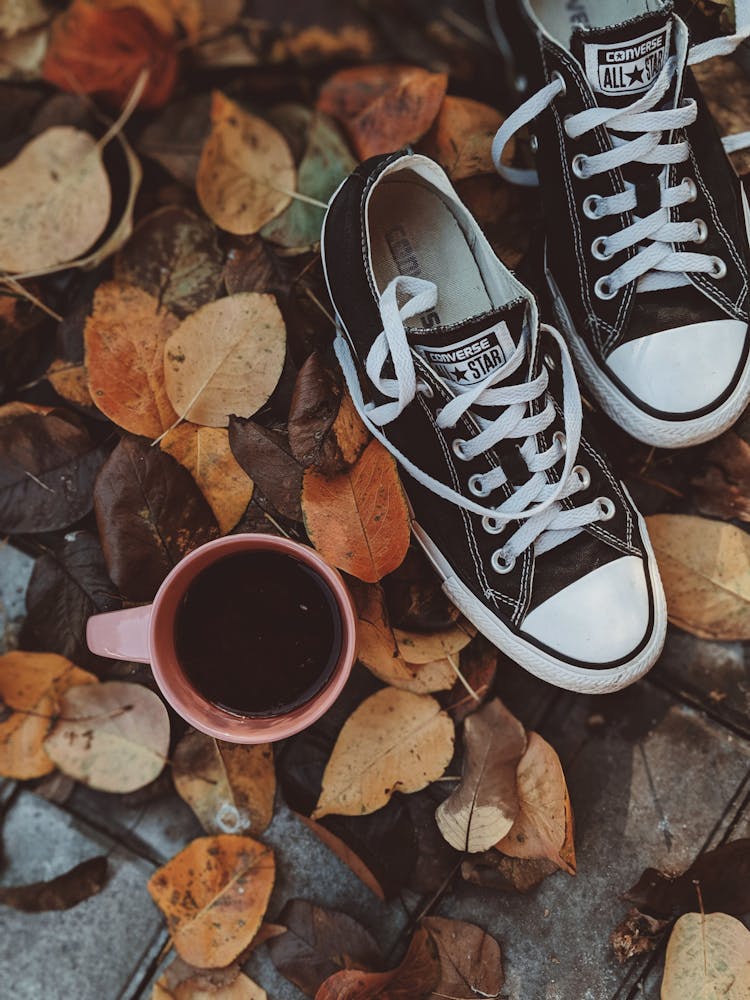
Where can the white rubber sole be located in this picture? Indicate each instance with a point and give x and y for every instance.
(641, 425)
(583, 680)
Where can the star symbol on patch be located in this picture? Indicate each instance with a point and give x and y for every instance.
(460, 375)
(636, 76)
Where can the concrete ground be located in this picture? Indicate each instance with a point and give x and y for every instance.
(656, 774)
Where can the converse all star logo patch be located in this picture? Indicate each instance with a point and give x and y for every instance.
(470, 361)
(626, 67)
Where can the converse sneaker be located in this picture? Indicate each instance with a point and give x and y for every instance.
(647, 223)
(538, 544)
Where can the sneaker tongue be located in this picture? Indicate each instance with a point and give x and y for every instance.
(622, 61)
(467, 353)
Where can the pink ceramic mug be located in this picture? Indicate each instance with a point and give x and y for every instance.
(146, 635)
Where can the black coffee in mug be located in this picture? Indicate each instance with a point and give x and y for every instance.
(258, 633)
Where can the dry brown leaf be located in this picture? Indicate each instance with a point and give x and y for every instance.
(471, 964)
(124, 340)
(493, 870)
(225, 359)
(246, 174)
(705, 569)
(724, 86)
(723, 488)
(359, 520)
(414, 979)
(70, 380)
(708, 956)
(484, 806)
(461, 138)
(230, 787)
(205, 453)
(426, 647)
(32, 682)
(213, 895)
(181, 981)
(394, 741)
(543, 827)
(166, 14)
(55, 200)
(112, 736)
(383, 107)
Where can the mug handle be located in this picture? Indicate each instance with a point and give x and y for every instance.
(121, 635)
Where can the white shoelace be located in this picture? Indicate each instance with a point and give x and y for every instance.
(538, 502)
(657, 264)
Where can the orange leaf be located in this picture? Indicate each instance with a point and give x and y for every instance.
(94, 51)
(383, 107)
(214, 894)
(461, 138)
(359, 521)
(125, 337)
(415, 978)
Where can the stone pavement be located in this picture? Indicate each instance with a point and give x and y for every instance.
(656, 774)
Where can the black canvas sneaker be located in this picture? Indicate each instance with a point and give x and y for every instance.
(646, 221)
(537, 543)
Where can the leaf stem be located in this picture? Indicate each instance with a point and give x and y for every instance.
(451, 659)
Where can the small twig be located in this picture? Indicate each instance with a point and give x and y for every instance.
(451, 659)
(39, 482)
(26, 294)
(275, 523)
(311, 295)
(647, 461)
(432, 901)
(661, 486)
(300, 197)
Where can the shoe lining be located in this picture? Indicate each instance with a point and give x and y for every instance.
(559, 19)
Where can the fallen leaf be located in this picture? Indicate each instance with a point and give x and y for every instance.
(359, 520)
(205, 453)
(213, 895)
(492, 870)
(55, 200)
(318, 943)
(69, 379)
(21, 57)
(173, 255)
(69, 583)
(61, 893)
(226, 358)
(383, 107)
(176, 137)
(17, 16)
(394, 741)
(502, 214)
(181, 981)
(252, 265)
(265, 456)
(723, 487)
(15, 409)
(47, 468)
(98, 51)
(165, 14)
(246, 174)
(230, 787)
(113, 736)
(426, 647)
(484, 806)
(636, 934)
(705, 568)
(415, 978)
(32, 683)
(543, 827)
(724, 86)
(415, 597)
(461, 138)
(150, 514)
(708, 955)
(478, 665)
(124, 340)
(471, 965)
(436, 862)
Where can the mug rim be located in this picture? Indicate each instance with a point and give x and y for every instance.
(182, 695)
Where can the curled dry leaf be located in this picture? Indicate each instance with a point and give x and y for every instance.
(181, 981)
(230, 787)
(55, 200)
(461, 138)
(124, 341)
(493, 870)
(32, 683)
(98, 51)
(246, 174)
(113, 736)
(416, 977)
(484, 806)
(359, 520)
(723, 488)
(704, 568)
(60, 893)
(213, 895)
(383, 107)
(318, 943)
(708, 955)
(265, 456)
(471, 965)
(150, 514)
(226, 358)
(205, 453)
(636, 934)
(394, 741)
(543, 827)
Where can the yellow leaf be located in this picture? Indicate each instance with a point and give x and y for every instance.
(708, 958)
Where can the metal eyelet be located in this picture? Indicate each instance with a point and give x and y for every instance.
(477, 486)
(692, 188)
(599, 249)
(500, 563)
(533, 144)
(584, 476)
(549, 362)
(702, 231)
(578, 166)
(458, 449)
(559, 438)
(491, 525)
(557, 75)
(426, 389)
(606, 507)
(591, 205)
(718, 268)
(604, 289)
(521, 84)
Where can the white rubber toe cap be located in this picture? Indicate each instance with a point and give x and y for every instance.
(684, 369)
(603, 616)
